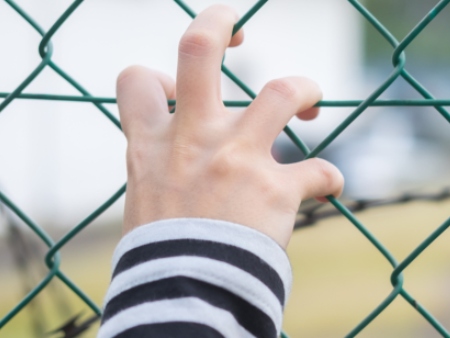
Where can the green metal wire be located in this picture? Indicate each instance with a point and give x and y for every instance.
(45, 49)
(236, 103)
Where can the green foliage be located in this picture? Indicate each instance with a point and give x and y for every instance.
(431, 47)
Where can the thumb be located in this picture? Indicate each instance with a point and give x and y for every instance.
(317, 178)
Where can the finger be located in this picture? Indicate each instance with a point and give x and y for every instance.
(200, 56)
(237, 38)
(276, 104)
(142, 99)
(309, 114)
(317, 178)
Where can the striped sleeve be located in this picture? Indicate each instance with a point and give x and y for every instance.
(196, 278)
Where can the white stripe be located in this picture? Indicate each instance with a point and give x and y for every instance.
(213, 230)
(181, 310)
(208, 270)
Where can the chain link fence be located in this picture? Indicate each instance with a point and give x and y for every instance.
(53, 259)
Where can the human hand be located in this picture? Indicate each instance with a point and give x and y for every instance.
(205, 161)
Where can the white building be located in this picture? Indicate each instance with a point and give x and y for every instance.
(59, 160)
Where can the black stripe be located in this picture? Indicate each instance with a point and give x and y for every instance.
(243, 259)
(171, 330)
(246, 314)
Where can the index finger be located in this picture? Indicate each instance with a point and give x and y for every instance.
(142, 96)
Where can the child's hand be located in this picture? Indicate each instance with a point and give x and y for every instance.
(205, 161)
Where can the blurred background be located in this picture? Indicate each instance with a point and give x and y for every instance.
(59, 161)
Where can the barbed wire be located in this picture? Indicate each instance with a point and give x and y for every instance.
(74, 328)
(313, 212)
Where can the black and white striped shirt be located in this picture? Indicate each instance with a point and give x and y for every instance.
(196, 278)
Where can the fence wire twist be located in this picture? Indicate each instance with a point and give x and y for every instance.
(52, 258)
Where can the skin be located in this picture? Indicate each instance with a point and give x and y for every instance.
(205, 161)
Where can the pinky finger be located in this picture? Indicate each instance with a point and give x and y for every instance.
(317, 178)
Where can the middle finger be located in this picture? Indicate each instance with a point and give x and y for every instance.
(200, 56)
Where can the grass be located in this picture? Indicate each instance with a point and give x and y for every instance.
(339, 277)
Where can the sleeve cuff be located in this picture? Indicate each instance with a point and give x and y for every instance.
(239, 268)
(224, 232)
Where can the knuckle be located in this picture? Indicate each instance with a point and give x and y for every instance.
(331, 177)
(271, 188)
(309, 86)
(183, 153)
(128, 74)
(315, 88)
(197, 43)
(231, 160)
(275, 190)
(223, 9)
(225, 162)
(225, 13)
(283, 88)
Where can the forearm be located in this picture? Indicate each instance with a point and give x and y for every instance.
(196, 277)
